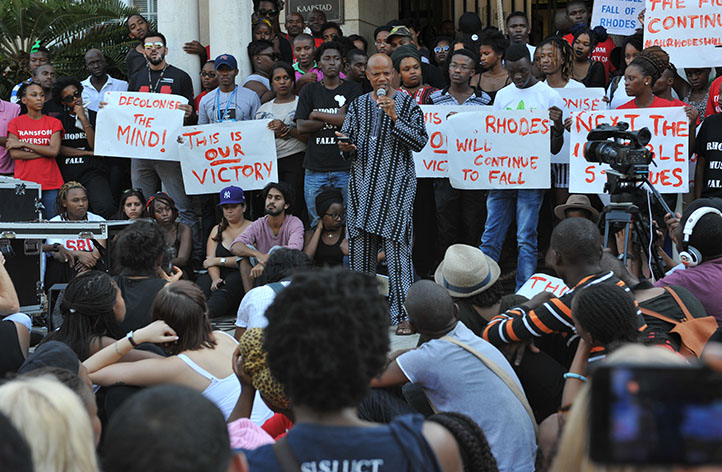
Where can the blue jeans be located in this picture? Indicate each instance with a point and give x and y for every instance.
(312, 184)
(48, 198)
(500, 210)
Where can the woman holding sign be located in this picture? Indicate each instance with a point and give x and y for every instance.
(34, 142)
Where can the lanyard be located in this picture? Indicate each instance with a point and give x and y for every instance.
(218, 104)
(154, 89)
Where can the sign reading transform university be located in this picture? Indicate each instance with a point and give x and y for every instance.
(332, 8)
(689, 30)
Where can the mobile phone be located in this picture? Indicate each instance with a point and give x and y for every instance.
(656, 415)
(343, 139)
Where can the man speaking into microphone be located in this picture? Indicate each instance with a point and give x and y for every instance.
(381, 130)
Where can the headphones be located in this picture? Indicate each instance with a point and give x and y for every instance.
(691, 256)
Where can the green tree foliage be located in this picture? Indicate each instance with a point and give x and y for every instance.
(68, 28)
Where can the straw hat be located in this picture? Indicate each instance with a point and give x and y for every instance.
(466, 271)
(576, 202)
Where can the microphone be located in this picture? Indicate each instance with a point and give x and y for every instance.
(381, 92)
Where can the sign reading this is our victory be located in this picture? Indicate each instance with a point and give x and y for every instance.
(139, 125)
(499, 149)
(241, 153)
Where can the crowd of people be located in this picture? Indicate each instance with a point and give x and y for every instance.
(314, 268)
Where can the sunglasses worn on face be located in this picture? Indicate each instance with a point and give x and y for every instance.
(267, 12)
(272, 55)
(156, 45)
(438, 49)
(71, 97)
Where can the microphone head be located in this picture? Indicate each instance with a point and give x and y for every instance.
(381, 92)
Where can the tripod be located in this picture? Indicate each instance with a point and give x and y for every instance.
(621, 212)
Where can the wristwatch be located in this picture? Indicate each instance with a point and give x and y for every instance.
(130, 338)
(223, 261)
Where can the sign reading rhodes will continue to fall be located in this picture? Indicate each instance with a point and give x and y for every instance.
(332, 8)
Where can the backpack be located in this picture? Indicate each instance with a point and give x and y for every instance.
(694, 332)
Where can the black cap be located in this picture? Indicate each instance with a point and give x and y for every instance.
(470, 26)
(51, 354)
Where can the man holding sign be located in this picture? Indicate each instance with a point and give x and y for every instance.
(147, 174)
(525, 93)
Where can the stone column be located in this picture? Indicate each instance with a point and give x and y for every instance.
(230, 31)
(178, 22)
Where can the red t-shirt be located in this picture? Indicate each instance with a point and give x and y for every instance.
(43, 170)
(713, 105)
(657, 103)
(197, 100)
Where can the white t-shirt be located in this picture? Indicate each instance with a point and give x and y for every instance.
(252, 311)
(567, 135)
(539, 95)
(285, 112)
(76, 244)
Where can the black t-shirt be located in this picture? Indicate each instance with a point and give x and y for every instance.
(322, 153)
(286, 50)
(72, 167)
(172, 80)
(53, 109)
(433, 76)
(138, 295)
(134, 61)
(709, 145)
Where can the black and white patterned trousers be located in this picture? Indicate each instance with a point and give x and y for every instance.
(363, 250)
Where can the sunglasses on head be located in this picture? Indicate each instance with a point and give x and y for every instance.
(155, 45)
(441, 49)
(70, 98)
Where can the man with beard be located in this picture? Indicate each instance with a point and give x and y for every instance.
(147, 174)
(278, 228)
(460, 212)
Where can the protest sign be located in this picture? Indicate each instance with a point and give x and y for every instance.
(241, 153)
(617, 16)
(539, 283)
(670, 144)
(140, 125)
(690, 31)
(499, 149)
(433, 159)
(577, 99)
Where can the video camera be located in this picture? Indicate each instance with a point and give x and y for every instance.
(625, 152)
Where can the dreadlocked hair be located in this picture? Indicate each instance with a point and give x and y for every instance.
(651, 64)
(87, 309)
(473, 446)
(565, 53)
(488, 298)
(63, 194)
(608, 313)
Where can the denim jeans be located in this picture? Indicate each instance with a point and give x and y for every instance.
(500, 213)
(48, 198)
(312, 187)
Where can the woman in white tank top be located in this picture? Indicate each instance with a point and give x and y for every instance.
(198, 357)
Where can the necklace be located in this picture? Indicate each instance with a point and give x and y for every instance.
(154, 89)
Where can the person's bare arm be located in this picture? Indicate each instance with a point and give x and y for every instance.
(573, 385)
(392, 376)
(335, 119)
(312, 239)
(73, 152)
(309, 126)
(9, 302)
(242, 250)
(444, 445)
(186, 244)
(51, 150)
(87, 127)
(257, 87)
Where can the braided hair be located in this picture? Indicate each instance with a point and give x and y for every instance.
(565, 54)
(473, 446)
(63, 194)
(651, 64)
(608, 313)
(87, 309)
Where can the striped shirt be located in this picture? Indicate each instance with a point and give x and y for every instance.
(443, 97)
(555, 316)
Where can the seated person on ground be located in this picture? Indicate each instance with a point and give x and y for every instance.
(327, 245)
(454, 379)
(178, 237)
(281, 265)
(14, 327)
(278, 228)
(222, 285)
(132, 205)
(327, 383)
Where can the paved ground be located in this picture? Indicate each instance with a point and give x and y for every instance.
(401, 342)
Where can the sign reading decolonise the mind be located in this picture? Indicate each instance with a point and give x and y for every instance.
(617, 16)
(499, 149)
(332, 8)
(669, 171)
(689, 30)
(139, 125)
(241, 153)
